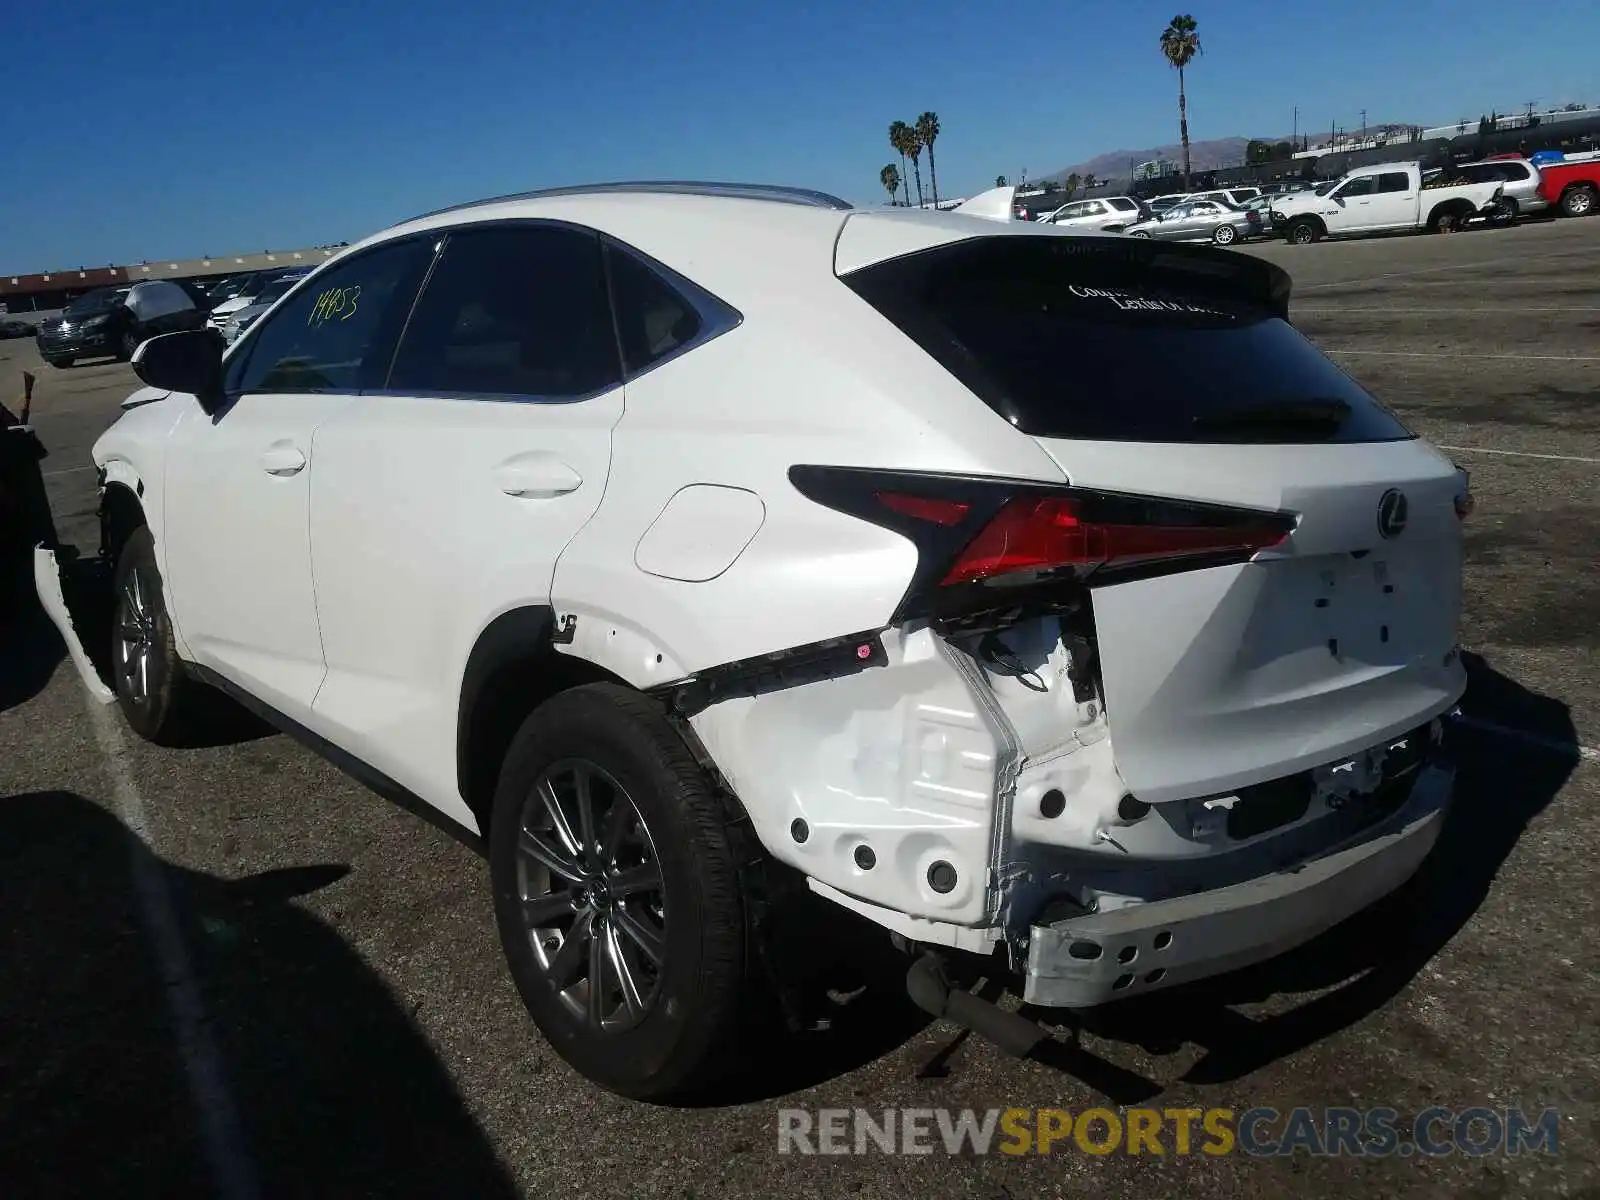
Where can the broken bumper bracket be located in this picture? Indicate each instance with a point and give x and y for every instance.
(1087, 960)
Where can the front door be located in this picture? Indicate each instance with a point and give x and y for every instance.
(238, 483)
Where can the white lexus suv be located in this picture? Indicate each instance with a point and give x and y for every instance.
(1036, 595)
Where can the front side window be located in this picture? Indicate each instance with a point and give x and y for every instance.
(336, 335)
(1364, 186)
(512, 310)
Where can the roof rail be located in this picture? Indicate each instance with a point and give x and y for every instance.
(738, 191)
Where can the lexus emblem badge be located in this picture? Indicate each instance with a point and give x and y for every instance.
(1392, 513)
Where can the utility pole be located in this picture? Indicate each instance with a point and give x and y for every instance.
(1296, 138)
(1363, 124)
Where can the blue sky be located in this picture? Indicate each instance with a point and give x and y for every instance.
(180, 127)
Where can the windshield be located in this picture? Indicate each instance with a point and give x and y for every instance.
(277, 288)
(1044, 330)
(94, 301)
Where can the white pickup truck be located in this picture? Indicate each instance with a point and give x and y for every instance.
(1383, 198)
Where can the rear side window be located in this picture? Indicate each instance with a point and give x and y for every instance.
(1126, 341)
(653, 319)
(514, 310)
(1394, 181)
(1124, 205)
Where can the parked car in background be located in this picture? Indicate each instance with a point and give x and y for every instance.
(270, 295)
(228, 288)
(1234, 196)
(16, 327)
(1200, 221)
(1111, 214)
(1520, 179)
(1160, 204)
(83, 330)
(1573, 187)
(1383, 198)
(112, 322)
(247, 294)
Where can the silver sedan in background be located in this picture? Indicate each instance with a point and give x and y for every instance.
(1201, 221)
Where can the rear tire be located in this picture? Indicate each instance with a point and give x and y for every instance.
(563, 913)
(1224, 235)
(128, 344)
(1448, 221)
(1139, 233)
(1578, 202)
(155, 695)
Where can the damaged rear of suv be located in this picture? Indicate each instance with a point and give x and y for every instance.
(1167, 714)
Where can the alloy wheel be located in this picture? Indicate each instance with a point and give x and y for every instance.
(136, 637)
(593, 901)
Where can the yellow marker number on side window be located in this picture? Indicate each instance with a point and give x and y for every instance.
(335, 304)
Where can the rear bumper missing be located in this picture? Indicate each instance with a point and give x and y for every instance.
(1090, 959)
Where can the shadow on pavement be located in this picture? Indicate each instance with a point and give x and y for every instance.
(338, 1092)
(1501, 785)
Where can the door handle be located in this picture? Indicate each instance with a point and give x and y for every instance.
(537, 479)
(282, 458)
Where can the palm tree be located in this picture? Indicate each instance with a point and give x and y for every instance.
(890, 177)
(928, 133)
(1088, 181)
(1180, 43)
(1072, 184)
(1000, 181)
(900, 135)
(914, 150)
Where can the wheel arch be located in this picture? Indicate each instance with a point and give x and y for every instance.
(1454, 206)
(121, 512)
(513, 668)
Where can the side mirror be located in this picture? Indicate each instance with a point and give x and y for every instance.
(190, 361)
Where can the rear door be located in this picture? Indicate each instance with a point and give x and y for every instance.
(1168, 374)
(445, 495)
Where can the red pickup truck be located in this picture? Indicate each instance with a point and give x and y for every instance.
(1572, 187)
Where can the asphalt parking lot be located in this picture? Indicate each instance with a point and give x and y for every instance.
(330, 984)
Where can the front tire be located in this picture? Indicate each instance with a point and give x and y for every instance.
(617, 894)
(128, 343)
(1303, 233)
(154, 693)
(61, 363)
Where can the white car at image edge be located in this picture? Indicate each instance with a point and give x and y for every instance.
(1043, 598)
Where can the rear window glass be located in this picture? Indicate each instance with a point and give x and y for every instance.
(1122, 341)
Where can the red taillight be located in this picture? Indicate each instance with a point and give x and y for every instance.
(925, 508)
(1042, 533)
